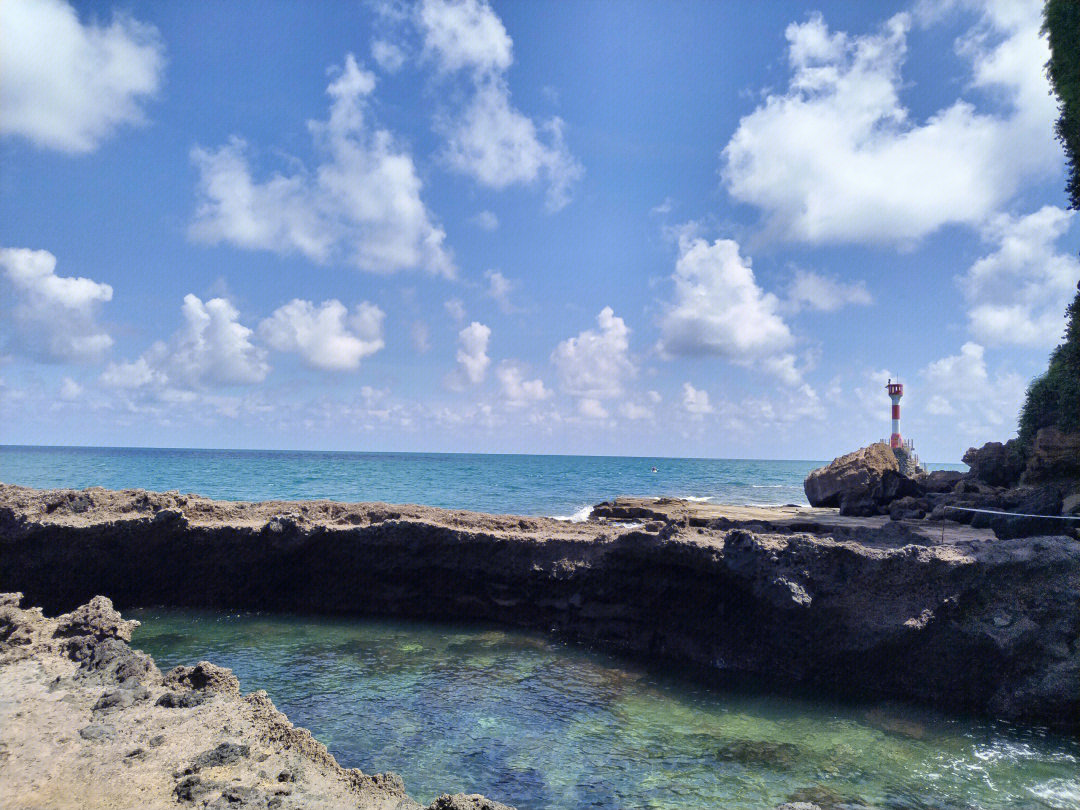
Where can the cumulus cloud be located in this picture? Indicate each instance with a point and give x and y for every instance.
(516, 390)
(464, 35)
(696, 401)
(69, 86)
(837, 157)
(472, 355)
(387, 55)
(327, 337)
(592, 408)
(485, 220)
(718, 309)
(1018, 293)
(596, 363)
(53, 318)
(487, 138)
(361, 205)
(211, 348)
(499, 289)
(810, 290)
(455, 308)
(635, 411)
(960, 386)
(421, 336)
(70, 390)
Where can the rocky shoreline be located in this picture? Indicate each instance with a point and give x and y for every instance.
(87, 722)
(939, 613)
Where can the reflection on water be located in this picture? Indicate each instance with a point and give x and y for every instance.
(539, 724)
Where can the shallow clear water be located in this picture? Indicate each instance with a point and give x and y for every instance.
(540, 724)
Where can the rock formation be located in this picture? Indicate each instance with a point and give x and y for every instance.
(864, 482)
(863, 606)
(996, 464)
(88, 722)
(1055, 456)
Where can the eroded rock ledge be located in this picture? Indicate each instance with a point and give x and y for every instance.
(88, 722)
(934, 612)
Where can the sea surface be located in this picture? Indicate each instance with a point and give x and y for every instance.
(537, 723)
(562, 486)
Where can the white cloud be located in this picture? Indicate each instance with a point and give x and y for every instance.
(69, 389)
(499, 288)
(53, 318)
(485, 220)
(487, 138)
(592, 409)
(516, 390)
(838, 157)
(980, 407)
(596, 364)
(212, 347)
(421, 336)
(1019, 292)
(69, 86)
(455, 308)
(498, 146)
(472, 355)
(695, 400)
(635, 411)
(361, 205)
(464, 35)
(810, 290)
(387, 55)
(327, 337)
(720, 310)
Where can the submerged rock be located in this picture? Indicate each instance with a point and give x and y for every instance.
(760, 753)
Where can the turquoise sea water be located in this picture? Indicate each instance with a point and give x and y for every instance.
(540, 724)
(517, 484)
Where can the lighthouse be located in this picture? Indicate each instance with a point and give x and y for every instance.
(896, 391)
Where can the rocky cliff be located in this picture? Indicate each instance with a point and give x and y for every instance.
(863, 606)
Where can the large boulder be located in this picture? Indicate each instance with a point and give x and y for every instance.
(855, 477)
(1055, 456)
(996, 464)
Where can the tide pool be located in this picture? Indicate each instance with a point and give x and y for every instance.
(537, 723)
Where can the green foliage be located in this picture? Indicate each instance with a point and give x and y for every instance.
(1061, 24)
(1054, 398)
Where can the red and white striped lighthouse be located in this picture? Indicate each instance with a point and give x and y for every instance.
(896, 390)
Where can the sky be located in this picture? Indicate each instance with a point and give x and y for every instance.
(634, 228)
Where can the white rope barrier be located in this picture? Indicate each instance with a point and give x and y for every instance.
(1013, 514)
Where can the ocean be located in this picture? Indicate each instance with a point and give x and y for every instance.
(555, 486)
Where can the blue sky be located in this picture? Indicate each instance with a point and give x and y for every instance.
(709, 229)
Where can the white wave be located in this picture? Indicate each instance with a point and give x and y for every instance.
(580, 516)
(772, 486)
(698, 498)
(1059, 793)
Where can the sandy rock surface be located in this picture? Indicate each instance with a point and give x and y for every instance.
(87, 722)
